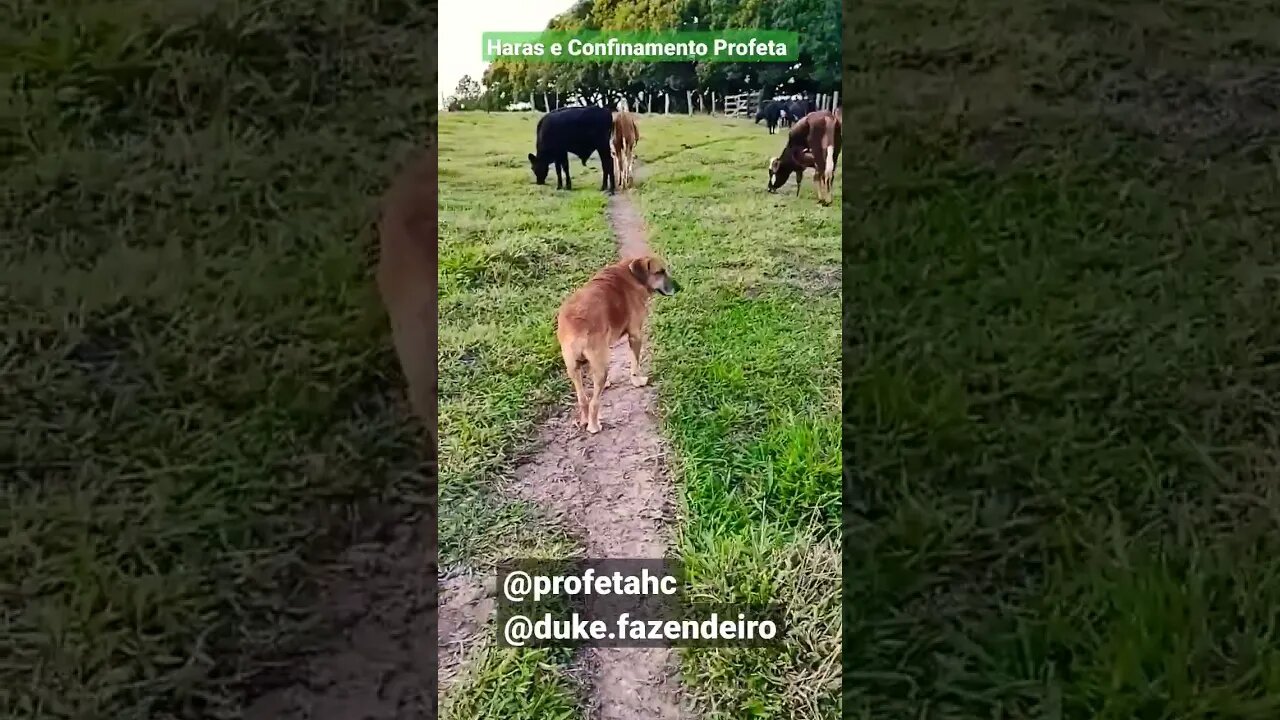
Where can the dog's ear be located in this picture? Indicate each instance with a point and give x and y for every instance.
(640, 268)
(533, 158)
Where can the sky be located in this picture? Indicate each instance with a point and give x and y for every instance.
(463, 22)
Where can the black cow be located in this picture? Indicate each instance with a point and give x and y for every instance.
(773, 113)
(577, 130)
(801, 108)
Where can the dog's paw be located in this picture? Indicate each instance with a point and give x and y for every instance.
(593, 429)
(608, 383)
(639, 380)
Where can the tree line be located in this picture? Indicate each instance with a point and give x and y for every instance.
(646, 84)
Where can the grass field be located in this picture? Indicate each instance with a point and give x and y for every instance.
(745, 363)
(1062, 326)
(200, 405)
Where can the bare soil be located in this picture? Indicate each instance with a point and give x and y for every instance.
(1219, 111)
(378, 666)
(466, 605)
(613, 492)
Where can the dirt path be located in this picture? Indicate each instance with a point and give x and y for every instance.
(377, 666)
(612, 491)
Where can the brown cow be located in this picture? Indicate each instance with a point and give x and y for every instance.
(813, 142)
(625, 136)
(406, 277)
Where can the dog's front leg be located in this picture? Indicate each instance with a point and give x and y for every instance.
(636, 341)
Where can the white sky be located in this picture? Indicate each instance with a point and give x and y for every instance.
(462, 22)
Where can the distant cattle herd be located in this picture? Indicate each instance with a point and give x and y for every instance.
(784, 112)
(813, 141)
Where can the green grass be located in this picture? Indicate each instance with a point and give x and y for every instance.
(1060, 361)
(509, 252)
(200, 405)
(745, 364)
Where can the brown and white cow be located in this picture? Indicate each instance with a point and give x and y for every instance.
(406, 279)
(625, 136)
(813, 142)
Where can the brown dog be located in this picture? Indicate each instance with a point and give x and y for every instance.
(613, 303)
(408, 245)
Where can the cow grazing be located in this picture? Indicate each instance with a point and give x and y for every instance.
(625, 136)
(773, 113)
(813, 142)
(577, 130)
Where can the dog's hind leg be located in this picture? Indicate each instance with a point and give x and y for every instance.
(575, 376)
(598, 361)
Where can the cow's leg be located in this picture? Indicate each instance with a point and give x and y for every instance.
(620, 163)
(631, 164)
(628, 164)
(828, 172)
(831, 182)
(568, 181)
(799, 177)
(607, 180)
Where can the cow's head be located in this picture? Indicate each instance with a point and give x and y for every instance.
(652, 273)
(779, 171)
(540, 168)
